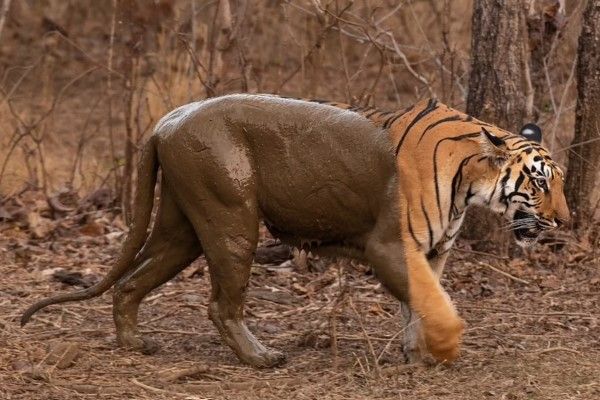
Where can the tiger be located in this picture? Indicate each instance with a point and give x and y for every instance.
(387, 188)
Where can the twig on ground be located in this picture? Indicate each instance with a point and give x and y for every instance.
(367, 338)
(174, 375)
(514, 278)
(526, 313)
(552, 349)
(480, 253)
(389, 342)
(147, 387)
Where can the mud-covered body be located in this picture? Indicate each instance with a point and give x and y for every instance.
(389, 188)
(322, 175)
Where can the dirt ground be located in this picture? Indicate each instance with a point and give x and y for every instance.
(532, 327)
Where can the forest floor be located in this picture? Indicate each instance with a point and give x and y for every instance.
(532, 325)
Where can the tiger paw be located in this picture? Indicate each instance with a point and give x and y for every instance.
(442, 338)
(139, 343)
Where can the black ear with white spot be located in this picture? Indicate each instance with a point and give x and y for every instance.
(494, 148)
(495, 140)
(532, 132)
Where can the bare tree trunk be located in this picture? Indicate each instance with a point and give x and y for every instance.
(497, 84)
(138, 35)
(584, 158)
(133, 43)
(226, 26)
(497, 80)
(3, 12)
(545, 21)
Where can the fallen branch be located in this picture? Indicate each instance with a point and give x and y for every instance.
(531, 314)
(514, 278)
(557, 348)
(480, 253)
(174, 375)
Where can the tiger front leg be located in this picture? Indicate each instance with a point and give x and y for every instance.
(431, 322)
(413, 346)
(441, 326)
(413, 342)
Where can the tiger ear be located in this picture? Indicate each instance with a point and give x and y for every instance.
(532, 132)
(494, 148)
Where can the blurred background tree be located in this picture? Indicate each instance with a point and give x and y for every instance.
(584, 155)
(498, 89)
(83, 82)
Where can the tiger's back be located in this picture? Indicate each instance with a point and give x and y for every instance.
(320, 172)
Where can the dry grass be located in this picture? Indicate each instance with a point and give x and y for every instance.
(71, 88)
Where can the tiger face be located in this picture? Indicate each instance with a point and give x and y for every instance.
(529, 187)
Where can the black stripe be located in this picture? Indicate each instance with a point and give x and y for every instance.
(435, 173)
(441, 121)
(519, 181)
(456, 182)
(528, 204)
(410, 229)
(493, 190)
(432, 254)
(505, 179)
(320, 101)
(431, 106)
(401, 114)
(518, 142)
(388, 123)
(428, 224)
(526, 145)
(469, 194)
(515, 194)
(391, 121)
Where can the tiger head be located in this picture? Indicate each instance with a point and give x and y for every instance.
(528, 189)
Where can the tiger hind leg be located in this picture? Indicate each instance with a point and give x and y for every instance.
(229, 249)
(171, 247)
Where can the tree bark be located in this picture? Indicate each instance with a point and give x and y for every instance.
(545, 20)
(584, 157)
(497, 80)
(497, 83)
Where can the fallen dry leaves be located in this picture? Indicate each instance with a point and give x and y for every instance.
(532, 323)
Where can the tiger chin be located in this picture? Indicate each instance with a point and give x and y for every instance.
(387, 188)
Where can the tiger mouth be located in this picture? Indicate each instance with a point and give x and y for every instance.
(524, 232)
